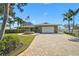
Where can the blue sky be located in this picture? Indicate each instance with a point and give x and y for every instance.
(47, 12)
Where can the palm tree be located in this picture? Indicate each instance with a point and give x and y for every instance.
(19, 21)
(73, 14)
(67, 18)
(10, 22)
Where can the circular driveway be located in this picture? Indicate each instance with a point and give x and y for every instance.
(52, 45)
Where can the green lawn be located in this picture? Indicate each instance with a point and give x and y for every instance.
(76, 32)
(26, 40)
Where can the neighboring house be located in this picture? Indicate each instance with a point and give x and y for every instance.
(42, 28)
(7, 26)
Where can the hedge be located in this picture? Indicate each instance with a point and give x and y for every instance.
(15, 30)
(69, 33)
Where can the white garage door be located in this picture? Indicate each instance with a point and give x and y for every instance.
(47, 29)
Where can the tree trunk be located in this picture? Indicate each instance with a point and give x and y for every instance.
(5, 18)
(18, 25)
(69, 26)
(13, 24)
(73, 24)
(9, 26)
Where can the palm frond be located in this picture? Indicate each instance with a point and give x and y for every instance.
(64, 19)
(20, 5)
(76, 11)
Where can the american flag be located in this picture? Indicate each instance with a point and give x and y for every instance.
(28, 17)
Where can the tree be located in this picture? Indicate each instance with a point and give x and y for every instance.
(68, 18)
(11, 22)
(5, 19)
(19, 21)
(23, 23)
(7, 7)
(11, 13)
(73, 14)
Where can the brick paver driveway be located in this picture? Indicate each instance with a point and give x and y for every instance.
(52, 44)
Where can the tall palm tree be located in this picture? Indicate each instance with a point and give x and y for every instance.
(10, 22)
(19, 21)
(73, 14)
(67, 18)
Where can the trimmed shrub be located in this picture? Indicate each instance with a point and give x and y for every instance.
(28, 32)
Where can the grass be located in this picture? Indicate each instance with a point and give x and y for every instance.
(26, 40)
(75, 33)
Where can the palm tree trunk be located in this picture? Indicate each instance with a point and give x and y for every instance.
(6, 15)
(73, 24)
(69, 26)
(9, 26)
(18, 25)
(13, 25)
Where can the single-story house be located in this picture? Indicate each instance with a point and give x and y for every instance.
(42, 28)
